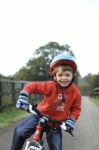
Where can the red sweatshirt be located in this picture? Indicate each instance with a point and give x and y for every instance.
(52, 104)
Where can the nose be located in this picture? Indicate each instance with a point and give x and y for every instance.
(64, 77)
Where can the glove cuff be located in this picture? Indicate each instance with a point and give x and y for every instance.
(70, 123)
(71, 119)
(24, 93)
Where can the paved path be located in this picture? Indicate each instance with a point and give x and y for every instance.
(86, 132)
(87, 129)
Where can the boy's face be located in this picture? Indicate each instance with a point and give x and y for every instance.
(63, 77)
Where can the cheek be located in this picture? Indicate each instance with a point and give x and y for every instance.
(71, 78)
(55, 78)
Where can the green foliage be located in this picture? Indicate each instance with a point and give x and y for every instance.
(84, 85)
(11, 115)
(77, 76)
(22, 74)
(88, 83)
(95, 100)
(53, 48)
(1, 76)
(95, 81)
(37, 68)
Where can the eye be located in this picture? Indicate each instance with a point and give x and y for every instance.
(67, 75)
(59, 75)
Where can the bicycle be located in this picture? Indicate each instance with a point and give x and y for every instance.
(36, 141)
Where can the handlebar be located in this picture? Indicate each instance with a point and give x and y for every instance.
(33, 110)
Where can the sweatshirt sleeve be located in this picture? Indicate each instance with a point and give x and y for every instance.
(76, 108)
(42, 88)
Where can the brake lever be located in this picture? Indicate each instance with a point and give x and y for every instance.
(70, 132)
(30, 109)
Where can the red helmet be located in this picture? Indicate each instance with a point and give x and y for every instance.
(63, 59)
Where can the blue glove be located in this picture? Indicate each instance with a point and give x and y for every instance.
(23, 100)
(70, 124)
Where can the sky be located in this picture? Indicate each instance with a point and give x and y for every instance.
(25, 25)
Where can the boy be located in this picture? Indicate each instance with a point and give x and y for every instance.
(62, 102)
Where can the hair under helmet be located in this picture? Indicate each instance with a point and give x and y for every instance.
(63, 59)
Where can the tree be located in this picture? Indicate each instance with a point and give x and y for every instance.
(95, 81)
(22, 74)
(37, 68)
(53, 48)
(88, 83)
(1, 76)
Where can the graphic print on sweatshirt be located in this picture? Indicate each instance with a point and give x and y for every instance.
(59, 105)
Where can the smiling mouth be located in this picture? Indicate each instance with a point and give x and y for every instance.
(63, 83)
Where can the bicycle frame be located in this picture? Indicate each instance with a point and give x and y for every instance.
(35, 143)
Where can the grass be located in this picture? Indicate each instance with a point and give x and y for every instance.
(95, 100)
(9, 116)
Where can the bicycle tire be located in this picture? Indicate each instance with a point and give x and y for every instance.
(33, 145)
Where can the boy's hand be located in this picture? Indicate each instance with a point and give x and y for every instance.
(70, 124)
(23, 100)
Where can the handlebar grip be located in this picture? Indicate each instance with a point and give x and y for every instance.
(64, 127)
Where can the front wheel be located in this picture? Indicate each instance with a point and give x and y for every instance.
(33, 145)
